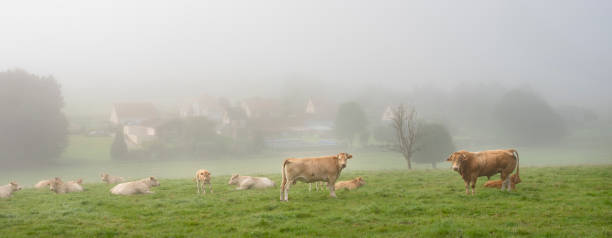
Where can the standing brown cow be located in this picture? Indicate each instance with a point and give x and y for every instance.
(471, 165)
(202, 178)
(308, 170)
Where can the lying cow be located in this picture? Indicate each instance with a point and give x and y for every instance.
(248, 182)
(111, 179)
(43, 183)
(202, 178)
(58, 186)
(142, 186)
(7, 190)
(78, 181)
(514, 179)
(350, 184)
(308, 170)
(471, 165)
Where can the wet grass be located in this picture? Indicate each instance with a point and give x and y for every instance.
(551, 202)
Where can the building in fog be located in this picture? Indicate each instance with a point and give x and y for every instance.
(205, 106)
(138, 120)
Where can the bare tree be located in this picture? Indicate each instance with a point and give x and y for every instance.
(405, 125)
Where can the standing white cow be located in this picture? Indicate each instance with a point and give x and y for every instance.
(308, 170)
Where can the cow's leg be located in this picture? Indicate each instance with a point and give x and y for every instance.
(474, 185)
(282, 188)
(309, 187)
(332, 190)
(210, 187)
(508, 185)
(505, 180)
(198, 185)
(287, 191)
(467, 187)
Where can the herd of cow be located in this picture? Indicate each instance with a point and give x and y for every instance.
(470, 165)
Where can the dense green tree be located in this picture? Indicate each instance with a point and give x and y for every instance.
(350, 121)
(32, 125)
(434, 145)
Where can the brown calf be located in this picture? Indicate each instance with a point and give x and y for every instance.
(514, 179)
(202, 178)
(350, 184)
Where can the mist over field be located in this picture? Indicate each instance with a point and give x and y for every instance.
(534, 76)
(160, 89)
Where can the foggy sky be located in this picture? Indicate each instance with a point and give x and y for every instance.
(109, 50)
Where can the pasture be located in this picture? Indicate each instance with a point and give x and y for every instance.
(573, 201)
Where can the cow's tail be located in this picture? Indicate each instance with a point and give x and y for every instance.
(283, 179)
(284, 174)
(516, 156)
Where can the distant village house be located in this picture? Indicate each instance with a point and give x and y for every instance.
(138, 121)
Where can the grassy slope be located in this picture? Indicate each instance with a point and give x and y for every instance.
(555, 201)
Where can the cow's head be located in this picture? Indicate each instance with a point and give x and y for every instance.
(360, 181)
(457, 158)
(342, 159)
(153, 181)
(104, 176)
(233, 179)
(15, 186)
(203, 174)
(54, 184)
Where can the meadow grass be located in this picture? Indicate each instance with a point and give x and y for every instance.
(573, 201)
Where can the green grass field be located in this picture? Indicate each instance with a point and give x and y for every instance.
(551, 202)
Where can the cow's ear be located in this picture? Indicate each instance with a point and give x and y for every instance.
(464, 156)
(348, 156)
(152, 178)
(450, 157)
